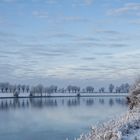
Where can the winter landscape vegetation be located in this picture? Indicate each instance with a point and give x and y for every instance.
(9, 90)
(68, 69)
(125, 127)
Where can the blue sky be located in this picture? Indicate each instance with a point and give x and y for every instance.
(69, 41)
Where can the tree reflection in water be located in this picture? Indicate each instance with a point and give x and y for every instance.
(90, 102)
(73, 102)
(16, 103)
(101, 101)
(111, 102)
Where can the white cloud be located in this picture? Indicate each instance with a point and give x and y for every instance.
(58, 18)
(1, 21)
(51, 1)
(74, 18)
(137, 22)
(40, 14)
(107, 31)
(10, 1)
(128, 8)
(88, 2)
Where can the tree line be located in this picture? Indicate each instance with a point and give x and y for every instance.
(22, 88)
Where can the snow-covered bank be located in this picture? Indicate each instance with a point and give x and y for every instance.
(122, 128)
(135, 135)
(126, 127)
(10, 95)
(25, 95)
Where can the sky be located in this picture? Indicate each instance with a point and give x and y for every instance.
(82, 42)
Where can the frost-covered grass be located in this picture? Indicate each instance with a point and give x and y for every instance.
(126, 127)
(115, 129)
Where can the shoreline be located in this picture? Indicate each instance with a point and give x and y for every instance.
(121, 128)
(124, 127)
(66, 95)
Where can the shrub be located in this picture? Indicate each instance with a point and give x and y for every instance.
(134, 97)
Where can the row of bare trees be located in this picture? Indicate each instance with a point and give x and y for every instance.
(9, 88)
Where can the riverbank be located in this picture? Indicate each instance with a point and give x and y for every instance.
(126, 127)
(27, 95)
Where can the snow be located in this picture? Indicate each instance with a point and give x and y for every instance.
(10, 95)
(126, 127)
(135, 135)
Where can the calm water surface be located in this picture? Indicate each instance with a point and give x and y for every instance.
(55, 118)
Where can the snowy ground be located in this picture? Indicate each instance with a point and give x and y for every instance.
(126, 127)
(135, 135)
(10, 95)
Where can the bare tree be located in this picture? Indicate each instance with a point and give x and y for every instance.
(69, 88)
(90, 89)
(23, 88)
(27, 88)
(102, 89)
(111, 88)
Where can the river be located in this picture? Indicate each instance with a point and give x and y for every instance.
(55, 118)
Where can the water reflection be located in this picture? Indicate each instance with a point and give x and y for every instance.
(40, 102)
(101, 101)
(89, 102)
(55, 118)
(6, 104)
(73, 102)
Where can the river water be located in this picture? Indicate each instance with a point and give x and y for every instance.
(55, 118)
